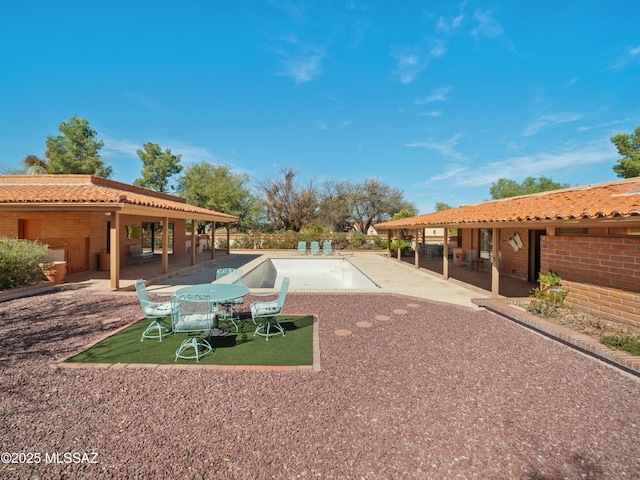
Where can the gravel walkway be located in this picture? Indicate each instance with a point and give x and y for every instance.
(434, 391)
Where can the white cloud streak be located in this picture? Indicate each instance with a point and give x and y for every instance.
(545, 121)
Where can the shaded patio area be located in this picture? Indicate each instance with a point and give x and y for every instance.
(479, 280)
(179, 264)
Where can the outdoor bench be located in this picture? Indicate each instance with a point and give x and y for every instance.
(136, 252)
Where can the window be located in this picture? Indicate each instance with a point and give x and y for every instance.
(152, 237)
(485, 241)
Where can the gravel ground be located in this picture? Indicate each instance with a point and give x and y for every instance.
(435, 391)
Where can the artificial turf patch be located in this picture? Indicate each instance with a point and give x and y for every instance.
(295, 348)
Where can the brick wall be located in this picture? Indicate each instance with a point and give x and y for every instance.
(56, 228)
(601, 274)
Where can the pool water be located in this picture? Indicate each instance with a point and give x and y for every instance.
(308, 274)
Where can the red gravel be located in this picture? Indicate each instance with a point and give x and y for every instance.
(438, 392)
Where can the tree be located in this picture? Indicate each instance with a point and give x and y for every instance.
(442, 206)
(288, 206)
(373, 201)
(34, 164)
(76, 150)
(628, 146)
(157, 167)
(333, 209)
(215, 187)
(505, 188)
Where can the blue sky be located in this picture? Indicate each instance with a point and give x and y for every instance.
(439, 99)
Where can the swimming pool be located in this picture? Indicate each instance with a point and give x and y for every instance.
(308, 274)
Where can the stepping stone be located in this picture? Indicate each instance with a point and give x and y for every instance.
(413, 305)
(383, 318)
(399, 311)
(364, 324)
(342, 332)
(107, 321)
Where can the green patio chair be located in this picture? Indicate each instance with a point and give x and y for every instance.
(302, 248)
(268, 312)
(326, 248)
(193, 315)
(315, 248)
(158, 311)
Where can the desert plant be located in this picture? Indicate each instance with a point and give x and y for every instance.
(550, 279)
(544, 304)
(626, 343)
(22, 262)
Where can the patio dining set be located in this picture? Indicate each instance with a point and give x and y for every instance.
(196, 310)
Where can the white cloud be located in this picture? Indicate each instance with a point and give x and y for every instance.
(299, 61)
(551, 120)
(438, 95)
(534, 164)
(631, 56)
(486, 26)
(447, 148)
(319, 125)
(190, 153)
(150, 104)
(435, 113)
(413, 60)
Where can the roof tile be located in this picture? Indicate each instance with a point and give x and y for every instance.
(604, 200)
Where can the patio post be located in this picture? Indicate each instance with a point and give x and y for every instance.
(193, 242)
(114, 259)
(495, 265)
(389, 243)
(445, 254)
(165, 244)
(399, 250)
(417, 256)
(213, 240)
(228, 224)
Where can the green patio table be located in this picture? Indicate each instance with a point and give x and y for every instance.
(217, 292)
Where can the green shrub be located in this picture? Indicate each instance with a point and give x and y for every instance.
(20, 262)
(626, 343)
(380, 243)
(404, 245)
(357, 240)
(546, 304)
(244, 242)
(340, 241)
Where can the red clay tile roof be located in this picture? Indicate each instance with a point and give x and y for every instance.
(86, 189)
(619, 199)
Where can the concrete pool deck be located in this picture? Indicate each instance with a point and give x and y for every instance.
(390, 275)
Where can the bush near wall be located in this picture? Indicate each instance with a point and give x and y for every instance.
(20, 262)
(289, 241)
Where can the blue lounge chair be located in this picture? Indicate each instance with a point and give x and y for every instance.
(302, 248)
(326, 248)
(315, 248)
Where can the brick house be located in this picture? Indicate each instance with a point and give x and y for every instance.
(589, 235)
(85, 217)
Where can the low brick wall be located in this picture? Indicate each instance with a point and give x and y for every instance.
(601, 274)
